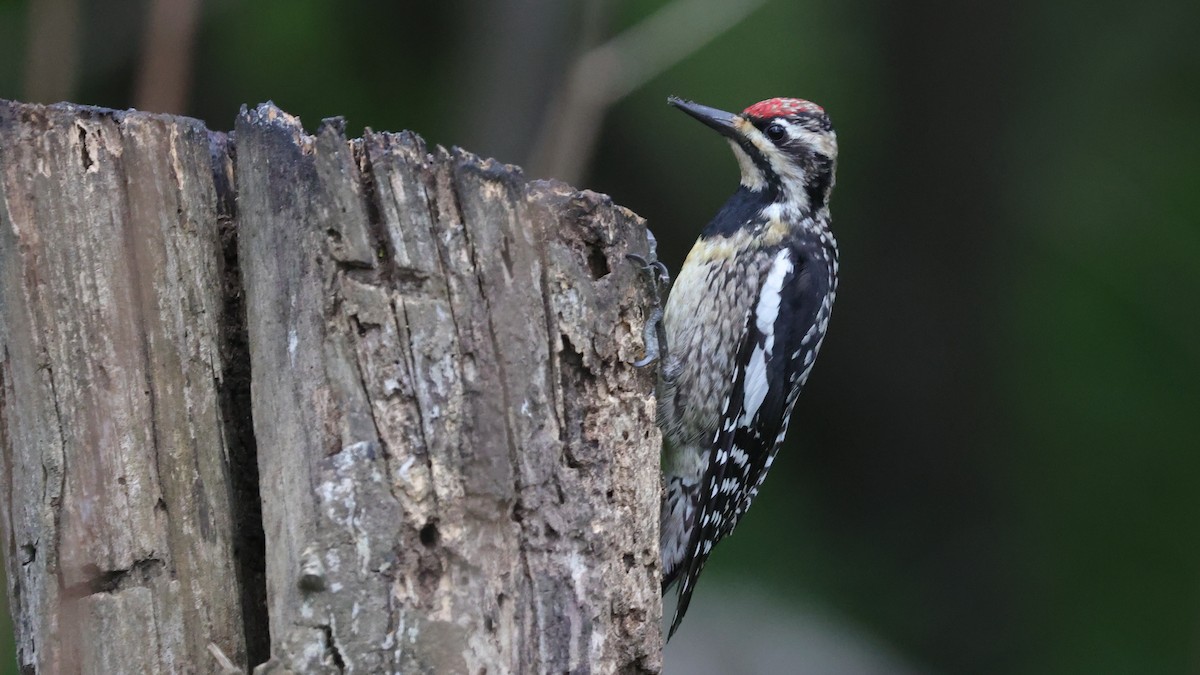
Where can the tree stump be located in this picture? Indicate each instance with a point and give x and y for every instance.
(349, 405)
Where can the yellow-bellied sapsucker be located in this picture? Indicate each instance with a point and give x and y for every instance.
(743, 325)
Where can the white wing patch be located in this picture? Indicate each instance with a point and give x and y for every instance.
(765, 313)
(755, 386)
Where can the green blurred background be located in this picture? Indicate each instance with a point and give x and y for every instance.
(994, 469)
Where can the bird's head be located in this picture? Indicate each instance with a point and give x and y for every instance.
(786, 147)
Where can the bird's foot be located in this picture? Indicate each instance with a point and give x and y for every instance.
(654, 334)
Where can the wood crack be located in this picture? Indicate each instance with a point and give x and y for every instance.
(236, 414)
(140, 574)
(474, 546)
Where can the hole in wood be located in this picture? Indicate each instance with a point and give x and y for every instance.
(597, 262)
(429, 534)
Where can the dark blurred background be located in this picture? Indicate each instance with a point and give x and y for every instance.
(994, 468)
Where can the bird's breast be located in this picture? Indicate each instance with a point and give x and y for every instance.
(705, 318)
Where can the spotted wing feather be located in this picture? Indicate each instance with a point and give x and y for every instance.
(772, 366)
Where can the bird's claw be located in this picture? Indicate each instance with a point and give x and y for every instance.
(657, 269)
(654, 334)
(653, 337)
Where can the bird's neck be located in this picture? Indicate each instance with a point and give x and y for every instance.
(744, 207)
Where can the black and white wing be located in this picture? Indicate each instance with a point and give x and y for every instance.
(783, 331)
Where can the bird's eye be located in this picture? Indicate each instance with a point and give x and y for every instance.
(776, 132)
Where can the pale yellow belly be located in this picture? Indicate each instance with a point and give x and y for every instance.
(705, 321)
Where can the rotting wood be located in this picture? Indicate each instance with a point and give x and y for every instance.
(118, 525)
(458, 466)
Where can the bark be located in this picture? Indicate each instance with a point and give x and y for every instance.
(416, 361)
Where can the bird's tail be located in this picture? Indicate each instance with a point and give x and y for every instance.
(678, 521)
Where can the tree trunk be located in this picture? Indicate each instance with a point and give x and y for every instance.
(417, 362)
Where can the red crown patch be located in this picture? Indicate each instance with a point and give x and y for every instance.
(781, 107)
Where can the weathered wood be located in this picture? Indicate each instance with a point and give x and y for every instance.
(459, 467)
(459, 470)
(116, 499)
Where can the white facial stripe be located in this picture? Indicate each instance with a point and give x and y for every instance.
(767, 149)
(788, 126)
(752, 176)
(781, 165)
(825, 143)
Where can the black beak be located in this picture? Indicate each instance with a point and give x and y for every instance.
(717, 119)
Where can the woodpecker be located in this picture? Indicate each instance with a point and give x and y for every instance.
(742, 327)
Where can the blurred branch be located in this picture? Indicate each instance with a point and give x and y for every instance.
(510, 56)
(52, 50)
(614, 69)
(165, 75)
